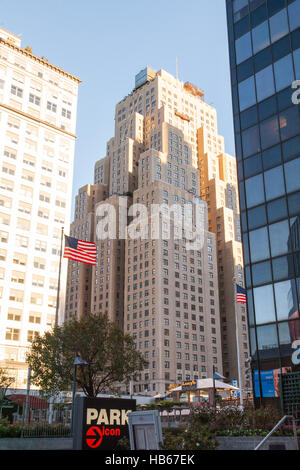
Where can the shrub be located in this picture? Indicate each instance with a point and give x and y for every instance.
(190, 438)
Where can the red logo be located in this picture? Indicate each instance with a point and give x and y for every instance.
(94, 435)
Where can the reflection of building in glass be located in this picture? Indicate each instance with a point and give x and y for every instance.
(264, 49)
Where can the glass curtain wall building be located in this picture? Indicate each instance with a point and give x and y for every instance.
(264, 49)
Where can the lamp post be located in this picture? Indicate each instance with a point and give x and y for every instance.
(216, 376)
(77, 361)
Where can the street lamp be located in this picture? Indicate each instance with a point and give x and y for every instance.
(77, 362)
(216, 376)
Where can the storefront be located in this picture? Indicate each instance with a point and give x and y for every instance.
(199, 391)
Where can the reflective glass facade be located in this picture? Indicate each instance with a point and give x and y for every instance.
(264, 49)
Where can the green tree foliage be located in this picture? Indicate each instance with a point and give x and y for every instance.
(5, 382)
(110, 356)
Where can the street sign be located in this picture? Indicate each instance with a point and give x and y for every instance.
(99, 423)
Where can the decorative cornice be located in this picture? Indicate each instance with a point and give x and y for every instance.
(29, 116)
(40, 60)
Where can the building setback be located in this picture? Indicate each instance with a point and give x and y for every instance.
(264, 49)
(160, 290)
(38, 103)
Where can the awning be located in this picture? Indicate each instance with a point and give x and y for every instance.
(204, 384)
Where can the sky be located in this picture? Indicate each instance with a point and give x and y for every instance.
(107, 42)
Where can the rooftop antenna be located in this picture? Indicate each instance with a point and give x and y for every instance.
(177, 68)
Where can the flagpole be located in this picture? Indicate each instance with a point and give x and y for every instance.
(238, 345)
(59, 272)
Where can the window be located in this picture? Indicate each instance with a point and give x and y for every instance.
(284, 73)
(259, 245)
(247, 95)
(269, 131)
(285, 293)
(292, 172)
(296, 55)
(264, 304)
(264, 83)
(279, 238)
(289, 122)
(260, 37)
(294, 14)
(16, 91)
(261, 273)
(279, 25)
(66, 113)
(51, 106)
(250, 141)
(34, 99)
(254, 191)
(243, 48)
(12, 334)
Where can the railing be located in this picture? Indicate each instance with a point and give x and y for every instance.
(275, 429)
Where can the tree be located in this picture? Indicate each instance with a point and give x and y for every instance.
(110, 356)
(5, 383)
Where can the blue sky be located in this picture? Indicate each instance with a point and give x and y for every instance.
(106, 43)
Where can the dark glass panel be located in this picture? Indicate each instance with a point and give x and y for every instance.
(271, 157)
(291, 148)
(284, 98)
(275, 5)
(252, 166)
(281, 48)
(267, 108)
(261, 273)
(296, 39)
(242, 27)
(269, 131)
(277, 210)
(250, 140)
(262, 59)
(289, 122)
(283, 267)
(294, 204)
(249, 117)
(274, 183)
(257, 217)
(259, 15)
(245, 70)
(292, 175)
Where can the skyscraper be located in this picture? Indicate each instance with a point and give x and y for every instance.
(264, 49)
(38, 102)
(160, 289)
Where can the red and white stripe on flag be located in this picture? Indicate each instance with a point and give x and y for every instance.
(80, 250)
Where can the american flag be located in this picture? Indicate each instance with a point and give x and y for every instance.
(240, 294)
(79, 250)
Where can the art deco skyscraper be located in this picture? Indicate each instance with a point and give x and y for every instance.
(38, 103)
(167, 296)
